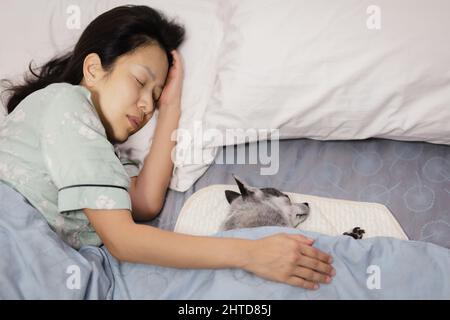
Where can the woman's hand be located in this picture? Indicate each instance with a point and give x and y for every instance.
(171, 95)
(290, 259)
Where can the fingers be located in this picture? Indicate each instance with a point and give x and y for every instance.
(321, 271)
(177, 62)
(316, 254)
(301, 238)
(323, 259)
(311, 275)
(299, 282)
(176, 57)
(314, 266)
(308, 266)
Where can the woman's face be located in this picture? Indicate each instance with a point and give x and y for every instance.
(129, 91)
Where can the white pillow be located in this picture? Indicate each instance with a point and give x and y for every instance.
(322, 70)
(38, 30)
(314, 69)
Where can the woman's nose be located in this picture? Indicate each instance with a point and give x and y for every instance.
(146, 110)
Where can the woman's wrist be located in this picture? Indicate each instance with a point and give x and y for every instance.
(173, 109)
(243, 249)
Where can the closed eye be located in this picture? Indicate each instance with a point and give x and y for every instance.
(288, 199)
(142, 85)
(139, 82)
(155, 100)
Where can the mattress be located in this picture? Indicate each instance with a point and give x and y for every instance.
(412, 179)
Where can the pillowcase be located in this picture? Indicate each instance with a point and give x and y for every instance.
(325, 70)
(330, 71)
(322, 70)
(47, 28)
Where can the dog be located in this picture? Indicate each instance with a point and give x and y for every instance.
(257, 207)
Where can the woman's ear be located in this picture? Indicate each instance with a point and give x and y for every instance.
(92, 69)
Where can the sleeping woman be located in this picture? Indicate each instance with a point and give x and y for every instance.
(57, 151)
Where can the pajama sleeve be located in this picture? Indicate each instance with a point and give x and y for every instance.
(131, 165)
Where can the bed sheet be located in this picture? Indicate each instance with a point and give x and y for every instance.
(411, 178)
(37, 264)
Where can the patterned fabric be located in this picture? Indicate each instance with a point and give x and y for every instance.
(411, 178)
(54, 151)
(47, 268)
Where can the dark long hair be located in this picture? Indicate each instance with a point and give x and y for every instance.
(111, 35)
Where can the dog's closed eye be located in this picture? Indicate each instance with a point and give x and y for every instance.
(287, 197)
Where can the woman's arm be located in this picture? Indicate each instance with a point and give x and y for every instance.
(282, 257)
(131, 242)
(148, 191)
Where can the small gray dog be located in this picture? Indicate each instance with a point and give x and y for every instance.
(255, 207)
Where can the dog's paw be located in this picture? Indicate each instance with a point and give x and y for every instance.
(355, 233)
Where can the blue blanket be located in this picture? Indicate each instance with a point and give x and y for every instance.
(36, 264)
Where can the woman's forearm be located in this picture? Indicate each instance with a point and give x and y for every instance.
(150, 245)
(288, 258)
(155, 175)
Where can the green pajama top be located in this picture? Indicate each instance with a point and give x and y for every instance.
(55, 152)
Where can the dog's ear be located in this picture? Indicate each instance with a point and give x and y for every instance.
(242, 188)
(231, 195)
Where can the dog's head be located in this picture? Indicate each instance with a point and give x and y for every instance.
(268, 200)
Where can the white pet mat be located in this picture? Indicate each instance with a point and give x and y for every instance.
(204, 211)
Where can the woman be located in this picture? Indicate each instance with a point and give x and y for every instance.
(56, 149)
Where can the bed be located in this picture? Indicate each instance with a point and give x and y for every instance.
(411, 178)
(361, 103)
(373, 268)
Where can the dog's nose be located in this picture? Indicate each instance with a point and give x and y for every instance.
(306, 204)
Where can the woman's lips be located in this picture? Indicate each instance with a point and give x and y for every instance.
(134, 122)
